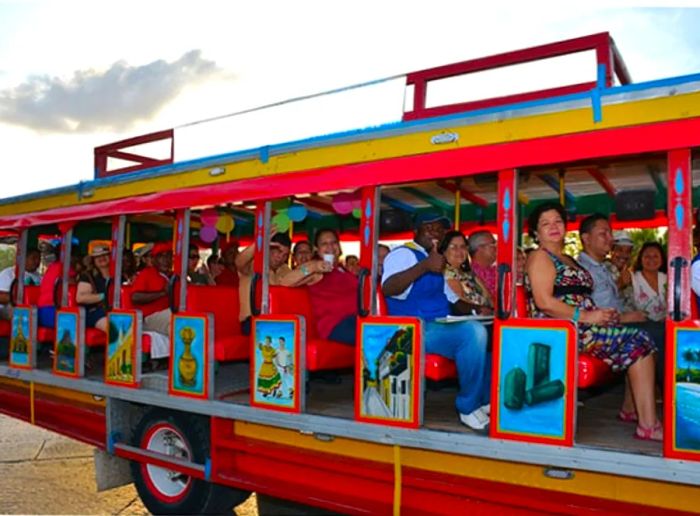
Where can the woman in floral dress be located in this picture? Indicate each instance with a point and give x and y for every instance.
(561, 288)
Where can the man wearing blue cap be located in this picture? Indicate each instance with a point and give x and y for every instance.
(414, 285)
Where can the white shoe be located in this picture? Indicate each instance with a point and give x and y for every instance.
(477, 421)
(486, 409)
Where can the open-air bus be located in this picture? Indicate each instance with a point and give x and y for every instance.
(198, 436)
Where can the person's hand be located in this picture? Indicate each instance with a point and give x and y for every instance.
(625, 277)
(633, 317)
(435, 262)
(600, 316)
(319, 266)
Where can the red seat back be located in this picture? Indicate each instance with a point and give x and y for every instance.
(382, 309)
(31, 295)
(694, 306)
(520, 301)
(222, 302)
(294, 300)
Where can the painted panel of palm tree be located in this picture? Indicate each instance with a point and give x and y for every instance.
(388, 369)
(68, 353)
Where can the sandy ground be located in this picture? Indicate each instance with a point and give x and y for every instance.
(44, 473)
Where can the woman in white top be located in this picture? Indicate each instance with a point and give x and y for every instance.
(649, 281)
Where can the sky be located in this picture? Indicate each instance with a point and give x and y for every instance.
(77, 74)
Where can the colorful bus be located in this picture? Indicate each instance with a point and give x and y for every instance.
(369, 428)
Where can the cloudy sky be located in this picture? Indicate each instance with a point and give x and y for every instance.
(75, 74)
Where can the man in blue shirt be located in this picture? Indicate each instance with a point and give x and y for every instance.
(414, 285)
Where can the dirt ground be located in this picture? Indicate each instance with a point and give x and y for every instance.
(44, 473)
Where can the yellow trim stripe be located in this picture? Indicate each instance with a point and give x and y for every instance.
(601, 485)
(397, 480)
(31, 403)
(517, 129)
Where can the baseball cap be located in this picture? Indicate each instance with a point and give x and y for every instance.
(161, 247)
(622, 238)
(429, 216)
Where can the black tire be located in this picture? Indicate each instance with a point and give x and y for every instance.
(184, 495)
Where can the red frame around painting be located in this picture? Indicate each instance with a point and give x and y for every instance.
(79, 312)
(135, 349)
(670, 449)
(418, 371)
(569, 399)
(299, 362)
(207, 387)
(31, 339)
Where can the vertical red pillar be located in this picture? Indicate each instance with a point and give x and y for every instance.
(507, 238)
(115, 267)
(369, 235)
(182, 244)
(680, 226)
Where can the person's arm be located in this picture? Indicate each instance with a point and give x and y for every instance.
(85, 296)
(309, 273)
(542, 274)
(244, 260)
(400, 281)
(5, 282)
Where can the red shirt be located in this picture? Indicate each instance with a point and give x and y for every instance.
(227, 278)
(333, 299)
(150, 279)
(47, 283)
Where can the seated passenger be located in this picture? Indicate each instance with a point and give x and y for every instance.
(562, 288)
(214, 269)
(382, 252)
(459, 276)
(279, 273)
(53, 274)
(302, 253)
(482, 251)
(193, 275)
(333, 291)
(7, 276)
(619, 267)
(128, 267)
(150, 290)
(92, 289)
(649, 281)
(520, 263)
(414, 285)
(352, 264)
(229, 274)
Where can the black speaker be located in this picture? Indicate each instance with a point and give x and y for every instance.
(635, 204)
(395, 221)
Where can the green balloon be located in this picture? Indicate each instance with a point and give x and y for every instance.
(357, 213)
(281, 220)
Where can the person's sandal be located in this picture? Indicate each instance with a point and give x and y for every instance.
(627, 417)
(654, 433)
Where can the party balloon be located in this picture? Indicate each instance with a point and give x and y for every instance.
(225, 224)
(281, 204)
(297, 212)
(357, 213)
(209, 217)
(281, 221)
(207, 234)
(342, 203)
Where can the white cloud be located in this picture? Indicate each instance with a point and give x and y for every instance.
(114, 99)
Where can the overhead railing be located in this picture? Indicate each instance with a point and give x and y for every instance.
(608, 59)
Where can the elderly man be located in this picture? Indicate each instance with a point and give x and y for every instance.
(619, 267)
(596, 236)
(414, 285)
(482, 250)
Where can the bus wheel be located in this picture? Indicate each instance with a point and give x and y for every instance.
(165, 491)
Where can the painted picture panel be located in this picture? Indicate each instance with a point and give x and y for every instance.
(278, 368)
(69, 352)
(23, 337)
(682, 431)
(389, 371)
(123, 354)
(533, 388)
(191, 355)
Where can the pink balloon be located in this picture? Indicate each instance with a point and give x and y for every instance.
(209, 217)
(342, 203)
(208, 234)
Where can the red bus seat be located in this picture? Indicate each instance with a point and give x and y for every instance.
(321, 354)
(223, 303)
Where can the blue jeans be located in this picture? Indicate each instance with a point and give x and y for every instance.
(47, 316)
(465, 343)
